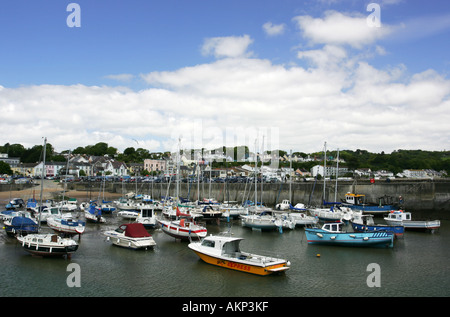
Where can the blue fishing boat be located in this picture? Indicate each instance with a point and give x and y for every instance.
(332, 234)
(357, 202)
(363, 223)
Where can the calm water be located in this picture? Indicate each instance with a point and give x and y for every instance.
(418, 265)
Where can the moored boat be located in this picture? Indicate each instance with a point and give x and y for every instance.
(264, 220)
(43, 213)
(48, 244)
(132, 236)
(128, 214)
(357, 202)
(93, 213)
(21, 224)
(332, 234)
(147, 217)
(225, 252)
(184, 229)
(66, 224)
(364, 223)
(402, 218)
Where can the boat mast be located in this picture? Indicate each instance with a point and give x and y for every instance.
(262, 165)
(67, 172)
(42, 181)
(255, 177)
(290, 177)
(324, 170)
(337, 173)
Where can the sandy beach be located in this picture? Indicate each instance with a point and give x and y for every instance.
(51, 190)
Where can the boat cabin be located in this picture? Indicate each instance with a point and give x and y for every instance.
(354, 199)
(399, 215)
(222, 245)
(332, 227)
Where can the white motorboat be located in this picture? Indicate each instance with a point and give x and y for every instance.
(334, 213)
(126, 204)
(301, 219)
(48, 244)
(225, 252)
(131, 235)
(284, 205)
(128, 214)
(44, 213)
(402, 218)
(147, 217)
(67, 205)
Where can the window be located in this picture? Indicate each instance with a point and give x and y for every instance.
(208, 243)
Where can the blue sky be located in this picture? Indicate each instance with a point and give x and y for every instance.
(153, 53)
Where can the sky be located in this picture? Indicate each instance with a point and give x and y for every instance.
(284, 74)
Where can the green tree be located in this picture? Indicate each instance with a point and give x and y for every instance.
(5, 168)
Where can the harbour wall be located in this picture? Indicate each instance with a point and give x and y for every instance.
(431, 197)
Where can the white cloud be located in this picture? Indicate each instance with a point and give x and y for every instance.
(229, 46)
(340, 29)
(273, 29)
(352, 105)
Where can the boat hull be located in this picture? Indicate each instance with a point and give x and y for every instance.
(260, 223)
(242, 266)
(24, 230)
(180, 232)
(371, 209)
(416, 225)
(131, 243)
(354, 239)
(41, 247)
(66, 226)
(397, 230)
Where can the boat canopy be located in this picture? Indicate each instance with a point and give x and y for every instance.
(135, 230)
(22, 221)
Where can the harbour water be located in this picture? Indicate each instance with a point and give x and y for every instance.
(417, 266)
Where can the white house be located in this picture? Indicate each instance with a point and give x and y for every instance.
(330, 170)
(414, 173)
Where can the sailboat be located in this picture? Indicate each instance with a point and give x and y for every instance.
(93, 213)
(45, 244)
(184, 227)
(66, 224)
(335, 213)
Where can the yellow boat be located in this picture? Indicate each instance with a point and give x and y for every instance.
(224, 251)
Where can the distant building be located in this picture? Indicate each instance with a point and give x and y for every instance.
(330, 170)
(12, 161)
(415, 173)
(154, 165)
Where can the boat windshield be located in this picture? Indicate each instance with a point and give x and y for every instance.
(208, 243)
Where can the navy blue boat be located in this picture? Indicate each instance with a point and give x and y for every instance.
(365, 223)
(20, 225)
(357, 202)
